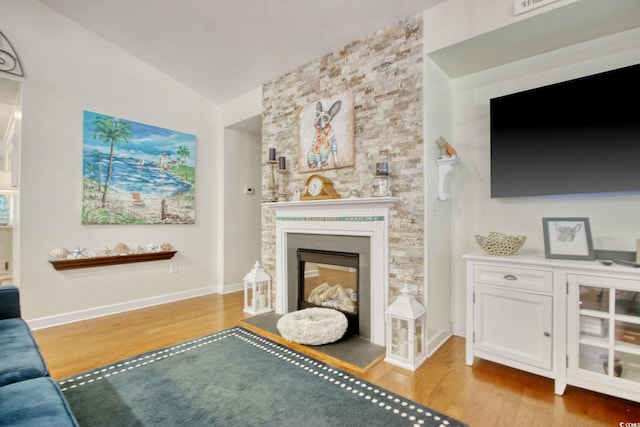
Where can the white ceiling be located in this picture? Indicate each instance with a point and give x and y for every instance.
(225, 48)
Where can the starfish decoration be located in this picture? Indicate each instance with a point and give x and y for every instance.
(79, 253)
(106, 251)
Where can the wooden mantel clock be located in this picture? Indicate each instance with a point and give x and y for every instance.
(319, 187)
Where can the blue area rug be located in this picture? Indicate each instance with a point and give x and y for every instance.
(236, 378)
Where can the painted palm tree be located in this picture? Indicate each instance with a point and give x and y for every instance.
(97, 157)
(111, 131)
(184, 154)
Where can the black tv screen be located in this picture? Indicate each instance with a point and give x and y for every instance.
(577, 136)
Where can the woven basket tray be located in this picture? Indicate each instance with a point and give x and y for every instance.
(500, 244)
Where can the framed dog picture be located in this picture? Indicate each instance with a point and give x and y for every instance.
(327, 134)
(567, 238)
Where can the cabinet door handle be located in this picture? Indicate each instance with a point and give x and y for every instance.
(547, 334)
(510, 277)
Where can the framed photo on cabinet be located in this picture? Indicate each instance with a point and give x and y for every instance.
(567, 238)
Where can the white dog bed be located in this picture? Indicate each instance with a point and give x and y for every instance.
(313, 326)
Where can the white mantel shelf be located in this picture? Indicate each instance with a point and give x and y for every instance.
(355, 203)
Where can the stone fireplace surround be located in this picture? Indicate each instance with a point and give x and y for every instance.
(367, 217)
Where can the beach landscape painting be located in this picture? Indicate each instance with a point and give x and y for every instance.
(135, 173)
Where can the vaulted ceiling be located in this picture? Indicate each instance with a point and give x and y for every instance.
(224, 48)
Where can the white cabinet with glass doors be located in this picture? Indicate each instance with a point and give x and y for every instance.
(603, 333)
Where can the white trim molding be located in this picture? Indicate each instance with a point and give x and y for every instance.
(345, 217)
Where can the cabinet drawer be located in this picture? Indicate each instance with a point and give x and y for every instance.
(514, 278)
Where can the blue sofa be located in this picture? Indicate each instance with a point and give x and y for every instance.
(28, 395)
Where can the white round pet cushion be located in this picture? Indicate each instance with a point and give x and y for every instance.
(313, 326)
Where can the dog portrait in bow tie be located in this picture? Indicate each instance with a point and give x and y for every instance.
(326, 134)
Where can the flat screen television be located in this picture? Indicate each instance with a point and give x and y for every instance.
(573, 137)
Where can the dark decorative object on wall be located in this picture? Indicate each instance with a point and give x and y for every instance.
(9, 62)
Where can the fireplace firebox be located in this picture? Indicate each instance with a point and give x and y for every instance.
(331, 243)
(330, 279)
(359, 225)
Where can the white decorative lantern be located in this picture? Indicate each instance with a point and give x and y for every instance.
(406, 331)
(257, 290)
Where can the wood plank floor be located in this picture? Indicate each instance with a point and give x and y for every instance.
(483, 396)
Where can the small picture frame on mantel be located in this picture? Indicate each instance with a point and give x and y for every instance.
(568, 238)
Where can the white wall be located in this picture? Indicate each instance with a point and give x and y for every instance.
(68, 70)
(613, 217)
(438, 216)
(241, 108)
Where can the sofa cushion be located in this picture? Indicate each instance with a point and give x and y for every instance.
(9, 302)
(36, 402)
(20, 357)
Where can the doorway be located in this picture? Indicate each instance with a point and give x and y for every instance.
(242, 200)
(10, 133)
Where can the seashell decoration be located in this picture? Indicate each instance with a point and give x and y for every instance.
(152, 247)
(166, 246)
(58, 253)
(120, 249)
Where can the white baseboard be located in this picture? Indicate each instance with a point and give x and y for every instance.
(229, 289)
(91, 313)
(436, 342)
(459, 330)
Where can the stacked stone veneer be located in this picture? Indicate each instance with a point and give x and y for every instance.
(385, 74)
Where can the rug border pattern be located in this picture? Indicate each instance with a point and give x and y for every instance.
(396, 404)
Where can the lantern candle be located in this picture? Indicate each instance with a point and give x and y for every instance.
(403, 349)
(282, 163)
(272, 154)
(405, 331)
(382, 168)
(257, 288)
